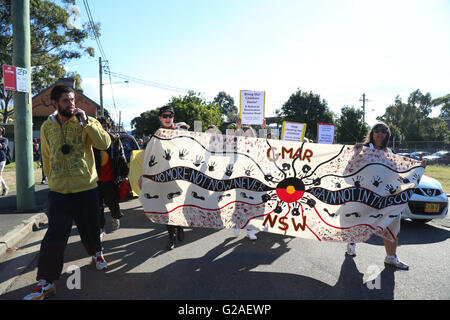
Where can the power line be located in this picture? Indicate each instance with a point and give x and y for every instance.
(100, 47)
(153, 84)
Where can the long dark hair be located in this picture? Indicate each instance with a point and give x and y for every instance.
(378, 126)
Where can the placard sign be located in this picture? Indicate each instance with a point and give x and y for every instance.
(22, 80)
(9, 77)
(325, 133)
(293, 131)
(252, 106)
(16, 78)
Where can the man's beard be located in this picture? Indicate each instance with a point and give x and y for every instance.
(64, 112)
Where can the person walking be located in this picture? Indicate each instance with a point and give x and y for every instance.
(378, 138)
(112, 168)
(166, 118)
(67, 138)
(3, 150)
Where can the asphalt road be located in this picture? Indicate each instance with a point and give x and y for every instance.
(212, 264)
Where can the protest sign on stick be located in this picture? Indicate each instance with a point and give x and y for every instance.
(325, 133)
(293, 131)
(252, 105)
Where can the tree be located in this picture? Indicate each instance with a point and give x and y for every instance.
(422, 102)
(444, 103)
(411, 122)
(227, 107)
(147, 123)
(402, 120)
(188, 109)
(350, 127)
(53, 42)
(306, 108)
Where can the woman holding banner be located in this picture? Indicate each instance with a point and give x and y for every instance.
(378, 138)
(166, 118)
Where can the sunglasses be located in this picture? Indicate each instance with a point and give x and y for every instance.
(167, 115)
(380, 130)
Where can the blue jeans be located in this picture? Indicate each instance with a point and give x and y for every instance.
(63, 210)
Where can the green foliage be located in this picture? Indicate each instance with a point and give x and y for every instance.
(227, 106)
(444, 103)
(192, 108)
(306, 108)
(147, 123)
(188, 109)
(410, 121)
(53, 43)
(350, 127)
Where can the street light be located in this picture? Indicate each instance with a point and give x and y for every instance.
(126, 81)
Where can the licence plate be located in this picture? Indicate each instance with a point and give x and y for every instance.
(432, 207)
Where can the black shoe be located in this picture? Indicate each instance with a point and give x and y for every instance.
(171, 244)
(180, 234)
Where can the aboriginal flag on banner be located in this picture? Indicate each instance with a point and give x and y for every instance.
(317, 191)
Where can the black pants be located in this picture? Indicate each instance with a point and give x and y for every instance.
(63, 209)
(172, 230)
(108, 194)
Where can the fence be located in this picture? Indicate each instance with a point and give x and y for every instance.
(412, 146)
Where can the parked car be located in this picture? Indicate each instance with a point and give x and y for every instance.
(428, 202)
(440, 157)
(418, 155)
(404, 154)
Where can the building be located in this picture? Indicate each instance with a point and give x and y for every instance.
(42, 106)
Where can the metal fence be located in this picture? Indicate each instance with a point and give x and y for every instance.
(412, 146)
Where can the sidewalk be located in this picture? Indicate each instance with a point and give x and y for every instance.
(14, 226)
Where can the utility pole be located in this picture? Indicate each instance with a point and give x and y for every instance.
(101, 86)
(23, 126)
(364, 106)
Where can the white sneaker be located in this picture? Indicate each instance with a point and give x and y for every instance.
(251, 235)
(351, 249)
(237, 231)
(102, 234)
(42, 290)
(395, 261)
(100, 262)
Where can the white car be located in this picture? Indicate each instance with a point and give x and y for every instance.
(428, 202)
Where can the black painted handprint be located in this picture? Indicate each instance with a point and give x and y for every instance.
(167, 154)
(390, 188)
(182, 154)
(198, 161)
(152, 161)
(376, 181)
(229, 170)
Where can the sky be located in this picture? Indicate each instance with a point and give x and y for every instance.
(338, 49)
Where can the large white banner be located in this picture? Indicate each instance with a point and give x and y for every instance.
(316, 191)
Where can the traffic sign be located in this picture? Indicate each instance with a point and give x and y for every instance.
(9, 77)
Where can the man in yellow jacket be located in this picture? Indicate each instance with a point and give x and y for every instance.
(67, 138)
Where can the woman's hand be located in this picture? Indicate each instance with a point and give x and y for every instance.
(424, 163)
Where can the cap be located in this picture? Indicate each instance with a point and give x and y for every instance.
(166, 109)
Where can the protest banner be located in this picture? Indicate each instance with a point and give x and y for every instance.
(315, 191)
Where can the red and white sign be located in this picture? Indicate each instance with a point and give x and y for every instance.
(9, 77)
(325, 133)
